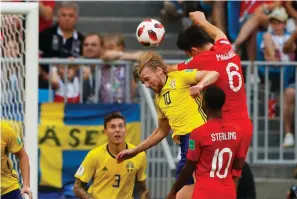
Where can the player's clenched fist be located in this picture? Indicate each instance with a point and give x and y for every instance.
(195, 91)
(126, 154)
(197, 17)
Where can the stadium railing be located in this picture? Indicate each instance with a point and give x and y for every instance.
(266, 147)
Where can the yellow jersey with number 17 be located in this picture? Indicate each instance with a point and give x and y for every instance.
(111, 180)
(11, 142)
(175, 103)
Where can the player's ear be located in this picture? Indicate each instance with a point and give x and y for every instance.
(194, 51)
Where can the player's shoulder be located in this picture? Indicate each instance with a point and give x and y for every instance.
(98, 151)
(6, 128)
(177, 74)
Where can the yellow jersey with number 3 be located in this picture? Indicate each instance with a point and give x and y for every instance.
(175, 103)
(11, 142)
(110, 179)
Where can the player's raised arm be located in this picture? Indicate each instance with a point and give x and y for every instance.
(157, 136)
(214, 32)
(202, 79)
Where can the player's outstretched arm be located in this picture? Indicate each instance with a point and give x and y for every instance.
(157, 136)
(142, 189)
(80, 190)
(25, 171)
(185, 174)
(119, 55)
(214, 32)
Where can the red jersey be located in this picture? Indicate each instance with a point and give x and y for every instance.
(223, 59)
(44, 24)
(219, 148)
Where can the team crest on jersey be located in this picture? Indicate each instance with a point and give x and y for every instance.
(192, 145)
(188, 60)
(130, 166)
(172, 84)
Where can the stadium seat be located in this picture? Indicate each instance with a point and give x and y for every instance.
(43, 95)
(233, 27)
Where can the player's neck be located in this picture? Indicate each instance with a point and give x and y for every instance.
(214, 115)
(207, 47)
(115, 149)
(164, 79)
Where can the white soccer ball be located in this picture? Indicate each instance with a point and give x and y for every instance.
(150, 33)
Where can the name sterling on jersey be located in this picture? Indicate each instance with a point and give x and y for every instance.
(225, 56)
(223, 136)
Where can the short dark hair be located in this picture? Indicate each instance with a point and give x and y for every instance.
(214, 98)
(109, 117)
(193, 36)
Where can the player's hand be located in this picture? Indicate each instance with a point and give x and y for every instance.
(197, 17)
(111, 55)
(195, 91)
(126, 154)
(26, 190)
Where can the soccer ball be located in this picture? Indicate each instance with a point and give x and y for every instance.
(150, 33)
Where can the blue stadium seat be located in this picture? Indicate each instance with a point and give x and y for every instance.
(43, 95)
(233, 26)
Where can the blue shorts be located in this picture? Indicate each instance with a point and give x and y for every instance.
(15, 194)
(184, 146)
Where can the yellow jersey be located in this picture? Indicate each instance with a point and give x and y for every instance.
(110, 179)
(175, 103)
(11, 142)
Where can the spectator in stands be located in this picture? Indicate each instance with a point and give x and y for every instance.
(92, 49)
(68, 87)
(173, 10)
(62, 40)
(253, 15)
(272, 44)
(291, 7)
(46, 9)
(289, 96)
(112, 87)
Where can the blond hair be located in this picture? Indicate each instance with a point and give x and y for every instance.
(151, 60)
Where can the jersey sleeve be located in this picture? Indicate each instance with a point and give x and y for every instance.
(141, 173)
(239, 159)
(188, 76)
(14, 141)
(222, 42)
(190, 63)
(194, 146)
(87, 168)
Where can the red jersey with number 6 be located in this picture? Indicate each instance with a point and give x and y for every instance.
(219, 149)
(223, 59)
